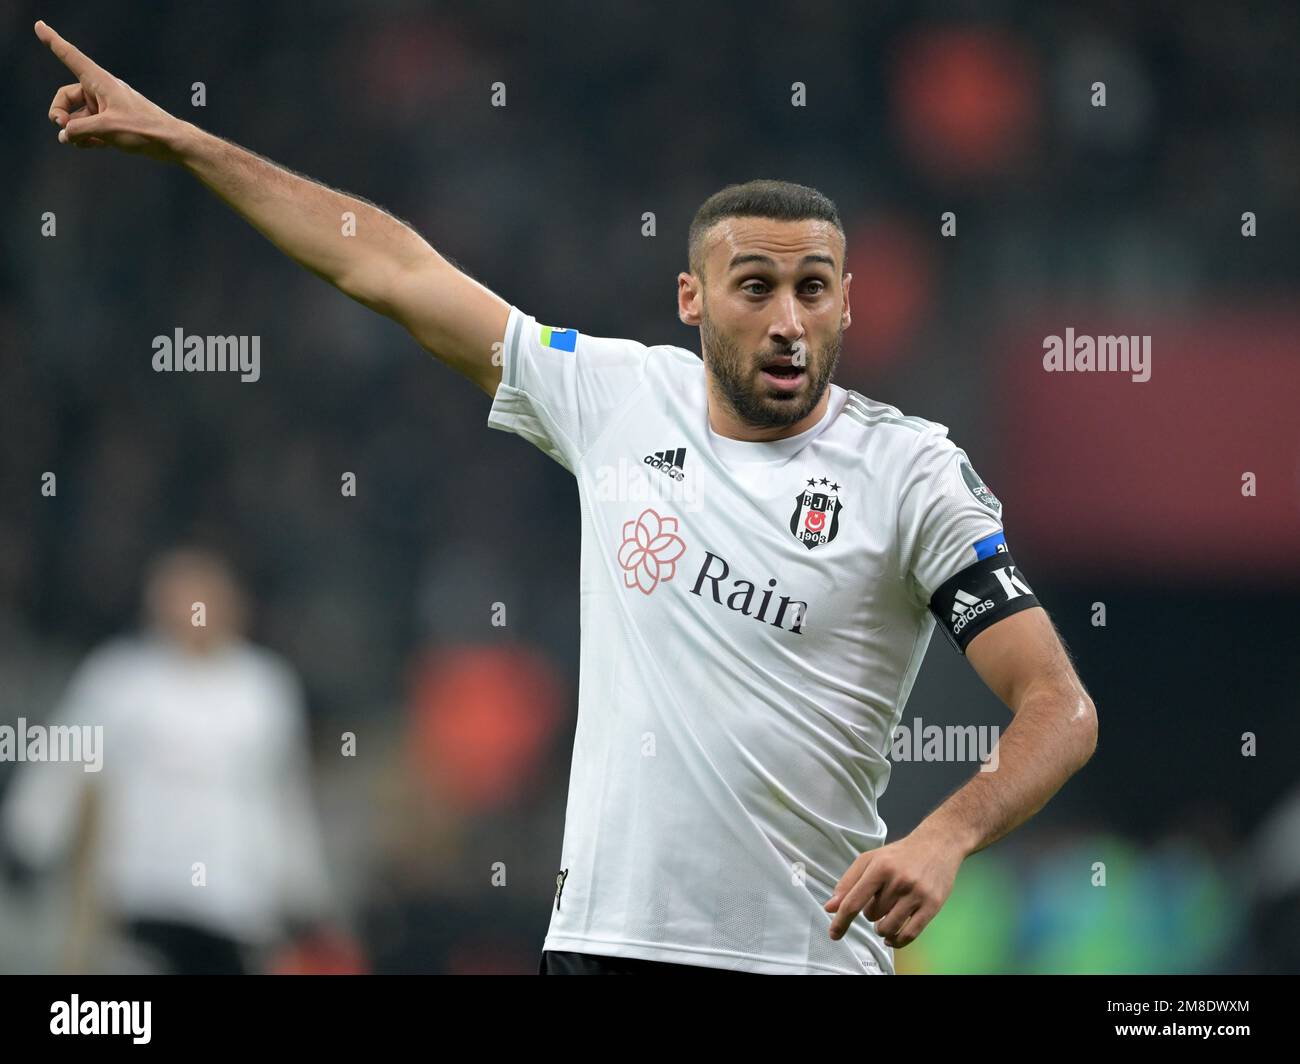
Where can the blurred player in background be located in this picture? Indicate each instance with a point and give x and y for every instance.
(196, 845)
(748, 644)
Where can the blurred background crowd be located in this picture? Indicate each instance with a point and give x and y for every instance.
(436, 834)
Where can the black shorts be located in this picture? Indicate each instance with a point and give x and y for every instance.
(561, 963)
(186, 949)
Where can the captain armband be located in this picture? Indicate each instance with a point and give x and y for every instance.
(979, 596)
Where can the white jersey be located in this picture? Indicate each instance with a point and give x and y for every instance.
(204, 760)
(753, 618)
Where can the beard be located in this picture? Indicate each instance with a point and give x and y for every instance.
(738, 376)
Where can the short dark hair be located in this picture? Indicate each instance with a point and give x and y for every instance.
(782, 201)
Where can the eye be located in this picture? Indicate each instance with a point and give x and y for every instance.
(821, 287)
(747, 287)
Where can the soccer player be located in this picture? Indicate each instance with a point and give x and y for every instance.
(204, 758)
(764, 558)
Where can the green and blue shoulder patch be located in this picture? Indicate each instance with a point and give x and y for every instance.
(559, 339)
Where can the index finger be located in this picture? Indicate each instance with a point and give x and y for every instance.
(67, 53)
(871, 883)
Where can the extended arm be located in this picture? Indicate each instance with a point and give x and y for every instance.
(386, 265)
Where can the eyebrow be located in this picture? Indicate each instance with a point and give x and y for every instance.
(767, 260)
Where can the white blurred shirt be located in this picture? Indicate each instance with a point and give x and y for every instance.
(204, 761)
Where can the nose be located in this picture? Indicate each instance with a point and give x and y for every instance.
(786, 328)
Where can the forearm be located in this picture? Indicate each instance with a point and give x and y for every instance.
(305, 219)
(368, 254)
(1051, 737)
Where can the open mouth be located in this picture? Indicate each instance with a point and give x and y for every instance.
(784, 377)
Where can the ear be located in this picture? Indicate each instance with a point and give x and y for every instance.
(690, 295)
(846, 317)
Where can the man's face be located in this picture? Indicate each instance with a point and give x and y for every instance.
(183, 580)
(772, 311)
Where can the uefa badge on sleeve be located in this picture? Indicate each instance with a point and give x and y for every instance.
(816, 516)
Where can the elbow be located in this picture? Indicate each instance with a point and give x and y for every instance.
(1083, 727)
(1066, 714)
(398, 281)
(373, 287)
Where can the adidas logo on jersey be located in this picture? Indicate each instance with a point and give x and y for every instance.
(669, 462)
(966, 608)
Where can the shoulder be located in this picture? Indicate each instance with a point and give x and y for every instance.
(678, 357)
(529, 333)
(884, 433)
(911, 458)
(674, 371)
(277, 687)
(107, 678)
(872, 413)
(674, 362)
(118, 654)
(266, 666)
(524, 331)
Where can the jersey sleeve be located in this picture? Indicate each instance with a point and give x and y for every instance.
(43, 806)
(305, 890)
(957, 563)
(560, 389)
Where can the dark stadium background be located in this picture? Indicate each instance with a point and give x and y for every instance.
(1123, 219)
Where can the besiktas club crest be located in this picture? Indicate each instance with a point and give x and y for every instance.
(816, 516)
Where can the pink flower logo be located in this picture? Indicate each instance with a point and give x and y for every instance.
(649, 550)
